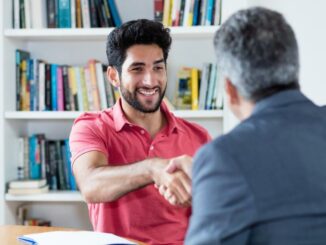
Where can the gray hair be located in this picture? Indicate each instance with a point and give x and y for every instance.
(257, 50)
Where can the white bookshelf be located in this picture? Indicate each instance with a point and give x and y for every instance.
(39, 115)
(52, 196)
(99, 33)
(192, 46)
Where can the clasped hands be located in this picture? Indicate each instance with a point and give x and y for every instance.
(174, 181)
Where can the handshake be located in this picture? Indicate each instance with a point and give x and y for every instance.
(173, 180)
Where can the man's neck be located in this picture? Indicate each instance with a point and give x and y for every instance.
(152, 122)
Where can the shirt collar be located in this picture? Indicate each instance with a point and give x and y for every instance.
(120, 119)
(280, 99)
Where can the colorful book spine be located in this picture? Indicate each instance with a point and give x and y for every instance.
(54, 89)
(64, 13)
(60, 98)
(114, 13)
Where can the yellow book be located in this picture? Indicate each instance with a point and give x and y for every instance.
(167, 18)
(84, 89)
(194, 88)
(96, 95)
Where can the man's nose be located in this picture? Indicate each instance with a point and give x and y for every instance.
(148, 78)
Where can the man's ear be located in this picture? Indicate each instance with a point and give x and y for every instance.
(113, 76)
(232, 93)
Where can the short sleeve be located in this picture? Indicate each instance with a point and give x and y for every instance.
(87, 134)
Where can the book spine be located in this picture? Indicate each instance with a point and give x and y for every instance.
(158, 10)
(66, 89)
(89, 89)
(48, 101)
(85, 13)
(79, 89)
(51, 13)
(95, 92)
(84, 89)
(114, 13)
(60, 99)
(194, 89)
(64, 13)
(73, 13)
(54, 90)
(101, 86)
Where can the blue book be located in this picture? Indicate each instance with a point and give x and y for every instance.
(209, 12)
(34, 164)
(195, 13)
(114, 13)
(64, 13)
(54, 90)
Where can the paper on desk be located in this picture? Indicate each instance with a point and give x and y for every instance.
(73, 237)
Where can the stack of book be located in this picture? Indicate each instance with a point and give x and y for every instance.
(27, 186)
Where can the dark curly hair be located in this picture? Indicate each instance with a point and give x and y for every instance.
(140, 31)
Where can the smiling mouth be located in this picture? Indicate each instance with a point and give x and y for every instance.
(147, 91)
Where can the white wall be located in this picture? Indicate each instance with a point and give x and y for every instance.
(308, 19)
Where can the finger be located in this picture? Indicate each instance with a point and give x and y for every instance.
(173, 200)
(162, 190)
(182, 188)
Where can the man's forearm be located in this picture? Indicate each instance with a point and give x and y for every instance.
(108, 183)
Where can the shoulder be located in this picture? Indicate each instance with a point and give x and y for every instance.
(94, 121)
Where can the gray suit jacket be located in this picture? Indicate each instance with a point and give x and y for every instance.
(265, 181)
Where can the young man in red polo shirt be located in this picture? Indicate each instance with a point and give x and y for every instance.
(119, 154)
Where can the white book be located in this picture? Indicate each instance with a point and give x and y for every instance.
(28, 20)
(28, 191)
(204, 85)
(186, 13)
(20, 164)
(16, 14)
(41, 86)
(101, 85)
(73, 237)
(73, 13)
(79, 89)
(38, 14)
(85, 14)
(27, 183)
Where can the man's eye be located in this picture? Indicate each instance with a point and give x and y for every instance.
(158, 68)
(137, 69)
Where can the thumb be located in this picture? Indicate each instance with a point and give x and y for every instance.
(172, 167)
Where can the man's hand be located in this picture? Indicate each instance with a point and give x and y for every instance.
(177, 183)
(175, 187)
(183, 163)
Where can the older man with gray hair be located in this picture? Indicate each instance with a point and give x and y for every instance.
(265, 181)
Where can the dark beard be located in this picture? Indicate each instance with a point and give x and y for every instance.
(132, 100)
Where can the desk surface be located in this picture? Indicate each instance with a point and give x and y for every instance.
(9, 233)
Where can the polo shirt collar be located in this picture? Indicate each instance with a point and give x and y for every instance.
(120, 119)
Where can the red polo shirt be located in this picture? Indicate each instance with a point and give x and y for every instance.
(142, 214)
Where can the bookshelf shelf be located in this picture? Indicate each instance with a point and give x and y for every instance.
(98, 33)
(53, 196)
(66, 115)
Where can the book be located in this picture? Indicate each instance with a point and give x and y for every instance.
(114, 13)
(73, 237)
(28, 191)
(27, 183)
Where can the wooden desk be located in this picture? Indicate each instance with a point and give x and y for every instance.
(9, 233)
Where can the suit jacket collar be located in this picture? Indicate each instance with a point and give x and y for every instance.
(280, 99)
